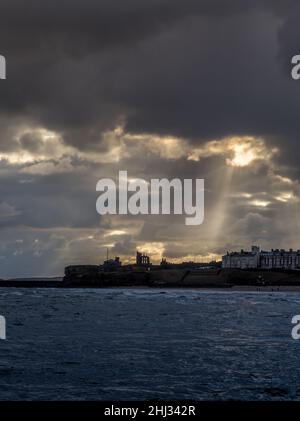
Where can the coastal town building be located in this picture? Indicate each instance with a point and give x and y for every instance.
(257, 258)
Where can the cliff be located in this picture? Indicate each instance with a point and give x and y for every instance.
(155, 278)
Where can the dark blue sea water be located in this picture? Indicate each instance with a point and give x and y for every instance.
(148, 344)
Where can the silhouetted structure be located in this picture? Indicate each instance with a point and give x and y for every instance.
(164, 264)
(142, 259)
(111, 265)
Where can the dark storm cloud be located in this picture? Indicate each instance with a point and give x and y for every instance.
(193, 68)
(81, 26)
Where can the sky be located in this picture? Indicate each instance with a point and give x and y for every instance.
(159, 88)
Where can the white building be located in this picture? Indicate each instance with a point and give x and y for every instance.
(256, 258)
(242, 259)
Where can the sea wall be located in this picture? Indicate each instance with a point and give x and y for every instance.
(262, 277)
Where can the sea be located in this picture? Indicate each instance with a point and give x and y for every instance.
(138, 344)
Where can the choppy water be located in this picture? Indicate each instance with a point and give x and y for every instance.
(148, 344)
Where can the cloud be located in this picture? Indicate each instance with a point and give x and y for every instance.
(241, 151)
(188, 89)
(193, 69)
